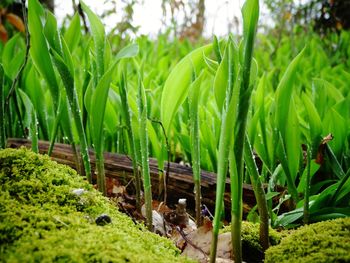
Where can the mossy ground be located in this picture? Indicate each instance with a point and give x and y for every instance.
(42, 220)
(322, 242)
(251, 249)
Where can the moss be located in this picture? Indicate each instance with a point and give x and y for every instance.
(252, 250)
(42, 220)
(327, 241)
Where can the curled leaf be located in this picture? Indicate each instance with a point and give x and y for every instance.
(321, 148)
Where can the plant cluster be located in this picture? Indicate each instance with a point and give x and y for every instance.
(274, 115)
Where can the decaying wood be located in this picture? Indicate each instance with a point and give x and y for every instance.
(180, 183)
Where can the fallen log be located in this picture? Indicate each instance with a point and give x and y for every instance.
(180, 182)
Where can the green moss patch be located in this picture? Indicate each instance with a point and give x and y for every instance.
(43, 220)
(252, 251)
(322, 242)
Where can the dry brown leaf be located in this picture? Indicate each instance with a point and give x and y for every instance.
(3, 33)
(16, 21)
(198, 244)
(321, 148)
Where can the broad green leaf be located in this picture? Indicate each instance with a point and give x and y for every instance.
(99, 36)
(39, 51)
(154, 140)
(51, 32)
(290, 217)
(217, 51)
(250, 12)
(343, 191)
(111, 118)
(178, 82)
(315, 124)
(335, 123)
(36, 92)
(128, 51)
(271, 195)
(73, 34)
(212, 65)
(13, 56)
(313, 169)
(284, 93)
(31, 120)
(98, 106)
(224, 76)
(292, 142)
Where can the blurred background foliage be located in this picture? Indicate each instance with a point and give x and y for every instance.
(186, 18)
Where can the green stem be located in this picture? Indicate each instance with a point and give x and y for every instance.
(195, 145)
(224, 146)
(100, 168)
(142, 108)
(125, 105)
(259, 194)
(236, 208)
(307, 188)
(2, 110)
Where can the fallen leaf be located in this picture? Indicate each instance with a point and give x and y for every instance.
(198, 242)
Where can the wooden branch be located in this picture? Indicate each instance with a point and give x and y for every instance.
(180, 181)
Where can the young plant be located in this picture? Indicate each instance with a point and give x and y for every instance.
(234, 118)
(62, 59)
(123, 87)
(193, 98)
(142, 121)
(225, 84)
(288, 128)
(97, 93)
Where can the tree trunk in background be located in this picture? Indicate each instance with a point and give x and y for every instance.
(49, 4)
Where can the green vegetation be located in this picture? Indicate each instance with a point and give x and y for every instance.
(327, 241)
(42, 219)
(267, 109)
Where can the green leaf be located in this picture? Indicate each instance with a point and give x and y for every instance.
(51, 32)
(315, 124)
(39, 51)
(73, 34)
(290, 217)
(313, 169)
(284, 93)
(13, 56)
(31, 120)
(293, 142)
(99, 36)
(223, 81)
(2, 109)
(212, 65)
(250, 12)
(128, 52)
(178, 82)
(98, 107)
